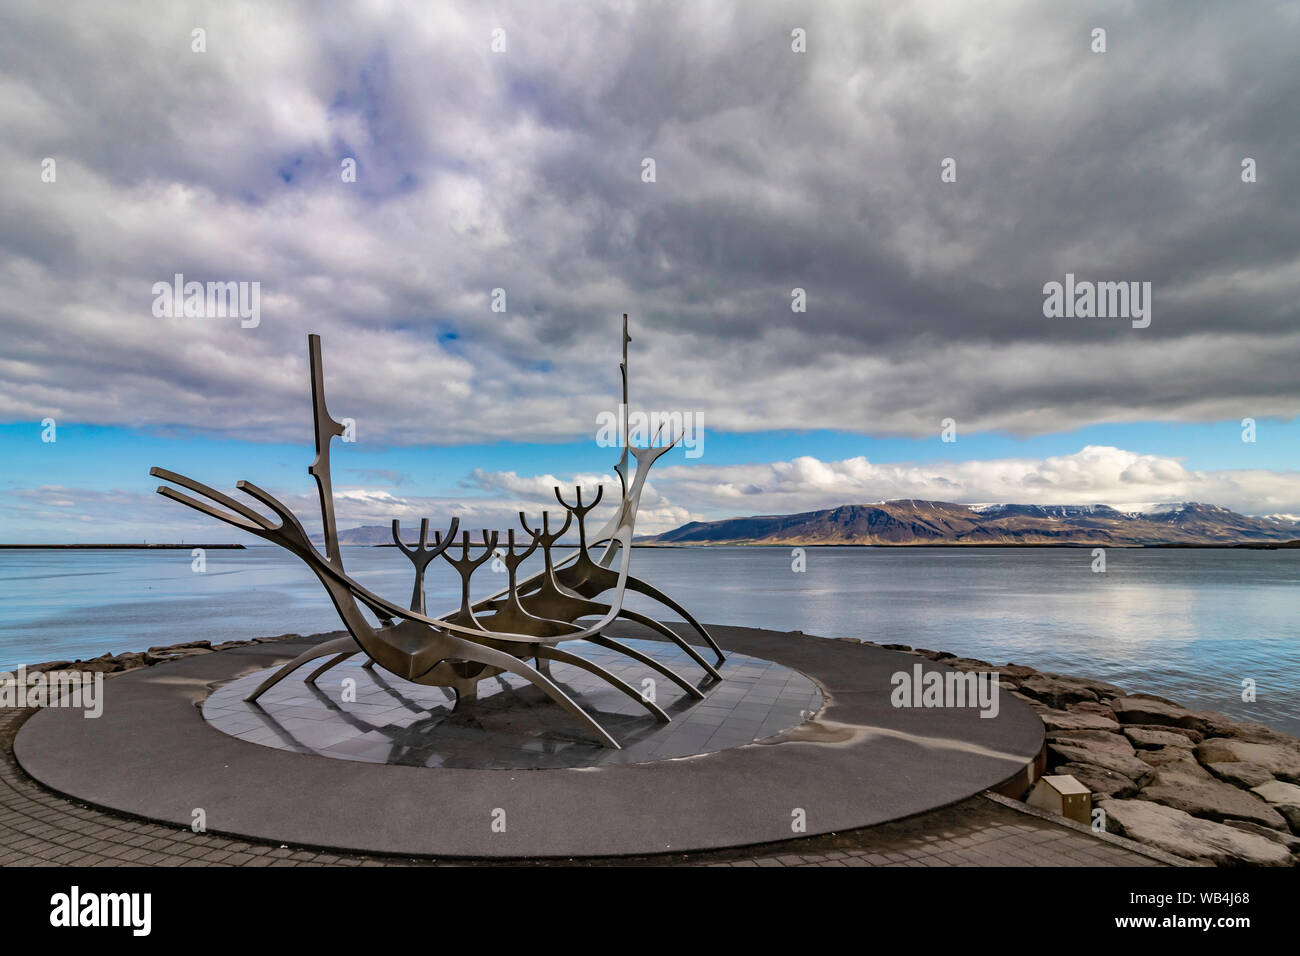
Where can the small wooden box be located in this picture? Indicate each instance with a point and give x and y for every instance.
(1063, 795)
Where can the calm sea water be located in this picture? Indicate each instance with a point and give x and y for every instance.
(1186, 624)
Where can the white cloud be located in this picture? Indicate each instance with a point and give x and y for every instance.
(680, 493)
(1093, 475)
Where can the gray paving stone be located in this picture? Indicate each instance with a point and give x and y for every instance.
(40, 828)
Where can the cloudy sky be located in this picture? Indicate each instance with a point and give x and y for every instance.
(504, 147)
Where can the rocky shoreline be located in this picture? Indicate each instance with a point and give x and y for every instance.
(1196, 784)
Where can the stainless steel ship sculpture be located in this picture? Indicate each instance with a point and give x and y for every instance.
(503, 633)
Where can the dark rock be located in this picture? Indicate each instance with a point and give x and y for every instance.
(1056, 692)
(131, 660)
(1018, 671)
(49, 666)
(98, 666)
(1141, 710)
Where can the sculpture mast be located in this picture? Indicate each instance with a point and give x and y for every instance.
(621, 467)
(326, 429)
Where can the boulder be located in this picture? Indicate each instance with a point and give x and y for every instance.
(1099, 687)
(1142, 710)
(1292, 843)
(1101, 749)
(1284, 798)
(1195, 736)
(1149, 738)
(170, 648)
(1159, 756)
(1217, 725)
(1276, 792)
(1018, 671)
(1057, 692)
(1187, 836)
(1095, 738)
(98, 666)
(1098, 779)
(1091, 707)
(968, 664)
(1240, 773)
(131, 660)
(1157, 698)
(1186, 786)
(1076, 720)
(172, 655)
(49, 666)
(1282, 760)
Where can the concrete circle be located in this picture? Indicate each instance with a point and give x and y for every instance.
(860, 762)
(355, 713)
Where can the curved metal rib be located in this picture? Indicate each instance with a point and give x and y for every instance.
(335, 646)
(646, 621)
(649, 590)
(564, 657)
(311, 678)
(508, 662)
(648, 661)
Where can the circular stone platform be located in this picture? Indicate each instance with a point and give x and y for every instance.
(513, 725)
(858, 762)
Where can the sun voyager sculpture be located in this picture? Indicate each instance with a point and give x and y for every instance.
(515, 631)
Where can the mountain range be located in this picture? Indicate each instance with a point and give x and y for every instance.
(912, 522)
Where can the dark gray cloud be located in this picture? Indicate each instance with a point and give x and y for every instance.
(775, 170)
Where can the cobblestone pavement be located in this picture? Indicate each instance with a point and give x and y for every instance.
(41, 828)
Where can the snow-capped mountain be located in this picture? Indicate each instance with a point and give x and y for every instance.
(913, 521)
